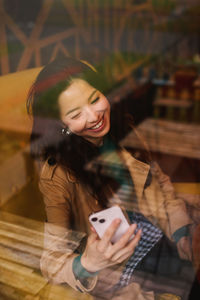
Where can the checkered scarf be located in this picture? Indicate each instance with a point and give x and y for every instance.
(150, 236)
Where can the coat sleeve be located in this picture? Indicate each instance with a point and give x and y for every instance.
(60, 242)
(175, 207)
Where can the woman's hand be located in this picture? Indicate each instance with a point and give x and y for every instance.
(184, 247)
(101, 253)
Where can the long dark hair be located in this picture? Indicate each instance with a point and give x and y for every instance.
(47, 141)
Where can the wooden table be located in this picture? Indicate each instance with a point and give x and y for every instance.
(168, 137)
(21, 245)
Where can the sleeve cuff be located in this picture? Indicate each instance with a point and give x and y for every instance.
(79, 271)
(179, 233)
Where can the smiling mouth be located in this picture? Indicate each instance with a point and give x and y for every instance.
(99, 125)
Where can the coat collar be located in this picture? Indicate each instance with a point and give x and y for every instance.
(138, 170)
(48, 168)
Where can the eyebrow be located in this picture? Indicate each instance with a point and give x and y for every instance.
(76, 108)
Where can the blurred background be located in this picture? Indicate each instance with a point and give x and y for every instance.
(149, 53)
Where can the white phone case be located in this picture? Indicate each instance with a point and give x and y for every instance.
(103, 219)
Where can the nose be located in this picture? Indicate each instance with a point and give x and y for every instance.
(91, 114)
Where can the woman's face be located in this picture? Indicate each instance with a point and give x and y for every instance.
(85, 111)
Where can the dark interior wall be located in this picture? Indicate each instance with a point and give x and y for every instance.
(34, 31)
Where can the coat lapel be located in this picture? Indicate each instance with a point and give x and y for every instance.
(138, 171)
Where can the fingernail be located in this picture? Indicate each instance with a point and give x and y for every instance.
(118, 221)
(133, 226)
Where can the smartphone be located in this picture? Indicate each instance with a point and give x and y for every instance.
(102, 220)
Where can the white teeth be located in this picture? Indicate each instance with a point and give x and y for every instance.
(98, 125)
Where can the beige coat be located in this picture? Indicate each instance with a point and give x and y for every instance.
(68, 205)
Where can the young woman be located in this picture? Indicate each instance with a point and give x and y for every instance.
(84, 170)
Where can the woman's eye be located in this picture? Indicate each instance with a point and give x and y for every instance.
(95, 100)
(76, 116)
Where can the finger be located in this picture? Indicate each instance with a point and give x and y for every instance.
(93, 237)
(122, 258)
(183, 256)
(105, 241)
(135, 241)
(92, 229)
(188, 253)
(121, 243)
(184, 248)
(137, 237)
(127, 251)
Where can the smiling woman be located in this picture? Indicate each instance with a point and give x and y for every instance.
(84, 170)
(71, 116)
(85, 111)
